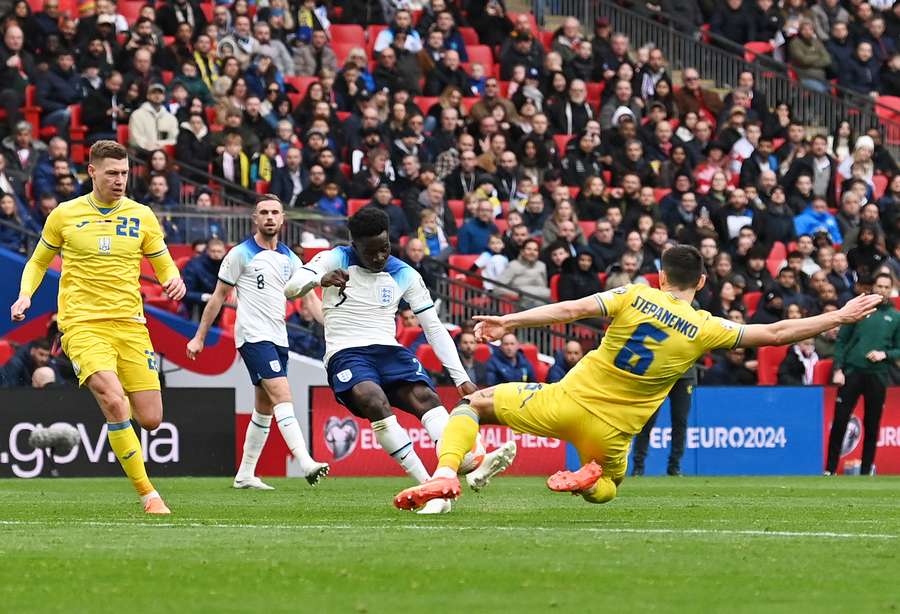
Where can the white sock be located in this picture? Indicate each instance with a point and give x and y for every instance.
(254, 441)
(293, 436)
(435, 421)
(444, 472)
(394, 439)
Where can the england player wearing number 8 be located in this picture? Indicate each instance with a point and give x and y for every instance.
(102, 237)
(258, 269)
(604, 400)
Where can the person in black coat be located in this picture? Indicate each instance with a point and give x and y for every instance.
(776, 222)
(172, 13)
(579, 276)
(28, 358)
(840, 48)
(194, 146)
(102, 111)
(731, 371)
(792, 371)
(582, 162)
(397, 219)
(58, 88)
(767, 19)
(863, 72)
(448, 73)
(734, 22)
(17, 71)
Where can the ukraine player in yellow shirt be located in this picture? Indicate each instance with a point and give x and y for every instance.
(606, 399)
(102, 238)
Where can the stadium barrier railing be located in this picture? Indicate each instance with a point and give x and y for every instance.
(685, 46)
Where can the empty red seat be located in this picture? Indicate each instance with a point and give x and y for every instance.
(822, 372)
(348, 33)
(480, 54)
(770, 358)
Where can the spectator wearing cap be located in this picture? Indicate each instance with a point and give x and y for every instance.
(521, 50)
(622, 101)
(600, 43)
(151, 126)
(694, 98)
(309, 60)
(448, 73)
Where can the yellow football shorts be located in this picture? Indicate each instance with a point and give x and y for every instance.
(120, 346)
(547, 411)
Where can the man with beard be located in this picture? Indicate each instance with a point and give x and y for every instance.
(571, 115)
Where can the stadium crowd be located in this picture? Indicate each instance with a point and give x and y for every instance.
(556, 165)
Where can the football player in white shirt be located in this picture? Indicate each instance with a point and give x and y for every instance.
(259, 268)
(367, 369)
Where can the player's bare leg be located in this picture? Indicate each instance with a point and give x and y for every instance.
(107, 389)
(459, 438)
(368, 401)
(279, 392)
(254, 442)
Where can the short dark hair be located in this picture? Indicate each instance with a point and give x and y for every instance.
(101, 150)
(41, 343)
(885, 275)
(266, 197)
(368, 222)
(683, 265)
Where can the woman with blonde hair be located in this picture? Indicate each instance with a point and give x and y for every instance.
(862, 158)
(564, 212)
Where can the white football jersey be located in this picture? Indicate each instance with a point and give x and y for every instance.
(259, 275)
(364, 314)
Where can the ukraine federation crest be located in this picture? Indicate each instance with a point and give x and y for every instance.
(384, 294)
(104, 245)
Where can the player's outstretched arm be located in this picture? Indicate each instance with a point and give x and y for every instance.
(442, 343)
(210, 312)
(32, 276)
(790, 331)
(492, 328)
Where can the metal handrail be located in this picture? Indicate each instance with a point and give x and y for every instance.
(817, 109)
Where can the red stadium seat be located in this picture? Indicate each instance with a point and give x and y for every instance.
(6, 351)
(595, 91)
(587, 228)
(348, 33)
(752, 48)
(561, 141)
(462, 261)
(301, 84)
(310, 252)
(547, 40)
(355, 204)
(408, 335)
(602, 278)
(554, 287)
(879, 185)
(531, 353)
(660, 193)
(535, 31)
(183, 260)
(342, 50)
(122, 134)
(769, 358)
(425, 354)
(751, 300)
(425, 102)
(77, 133)
(822, 372)
(652, 279)
(480, 54)
(458, 208)
(469, 36)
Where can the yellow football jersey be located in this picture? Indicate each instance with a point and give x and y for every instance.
(653, 340)
(101, 247)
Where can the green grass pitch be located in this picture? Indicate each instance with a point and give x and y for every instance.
(665, 545)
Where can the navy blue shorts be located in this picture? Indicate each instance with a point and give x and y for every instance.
(264, 360)
(386, 365)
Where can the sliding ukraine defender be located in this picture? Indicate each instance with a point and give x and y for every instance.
(606, 399)
(102, 237)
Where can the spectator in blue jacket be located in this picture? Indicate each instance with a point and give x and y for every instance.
(18, 371)
(59, 88)
(43, 181)
(508, 363)
(452, 37)
(10, 238)
(817, 217)
(200, 276)
(566, 358)
(474, 234)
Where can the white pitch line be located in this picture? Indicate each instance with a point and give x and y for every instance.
(192, 524)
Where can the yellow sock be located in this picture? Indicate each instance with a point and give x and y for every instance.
(459, 437)
(124, 442)
(604, 491)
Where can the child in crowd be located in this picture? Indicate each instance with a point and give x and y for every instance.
(492, 263)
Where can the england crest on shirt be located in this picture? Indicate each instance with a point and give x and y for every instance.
(384, 294)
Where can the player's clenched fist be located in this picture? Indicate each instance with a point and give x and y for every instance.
(194, 347)
(337, 278)
(175, 289)
(18, 309)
